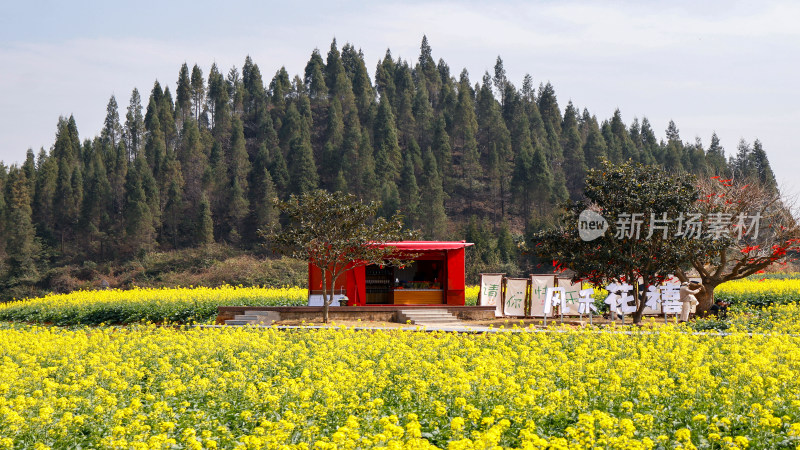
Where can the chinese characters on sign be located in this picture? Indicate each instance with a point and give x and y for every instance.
(516, 296)
(688, 226)
(491, 291)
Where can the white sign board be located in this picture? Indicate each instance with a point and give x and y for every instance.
(491, 293)
(539, 285)
(516, 295)
(571, 294)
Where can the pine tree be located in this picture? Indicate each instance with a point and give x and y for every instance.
(505, 244)
(761, 168)
(20, 245)
(44, 217)
(193, 161)
(255, 111)
(198, 91)
(314, 78)
(429, 73)
(95, 212)
(715, 157)
(134, 125)
(423, 113)
(674, 149)
(139, 230)
(433, 219)
(261, 196)
(390, 199)
(443, 152)
(409, 193)
(183, 106)
(302, 169)
(112, 130)
(218, 104)
(205, 224)
(574, 161)
(386, 145)
(173, 208)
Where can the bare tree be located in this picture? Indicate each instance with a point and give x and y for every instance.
(748, 227)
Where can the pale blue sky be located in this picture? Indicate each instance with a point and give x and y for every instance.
(729, 67)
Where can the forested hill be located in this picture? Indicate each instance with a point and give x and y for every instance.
(201, 164)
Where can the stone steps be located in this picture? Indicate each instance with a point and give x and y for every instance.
(428, 317)
(260, 318)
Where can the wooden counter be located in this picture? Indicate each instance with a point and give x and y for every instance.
(418, 296)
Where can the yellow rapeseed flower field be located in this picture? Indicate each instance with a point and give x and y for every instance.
(149, 387)
(177, 305)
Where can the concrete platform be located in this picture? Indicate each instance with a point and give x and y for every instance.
(379, 313)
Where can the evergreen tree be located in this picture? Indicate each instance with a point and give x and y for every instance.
(173, 205)
(134, 125)
(715, 157)
(409, 193)
(20, 245)
(574, 161)
(96, 208)
(255, 111)
(363, 91)
(46, 175)
(183, 106)
(198, 91)
(505, 244)
(426, 68)
(139, 230)
(433, 220)
(390, 199)
(112, 130)
(443, 152)
(205, 224)
(674, 149)
(423, 113)
(302, 169)
(761, 168)
(218, 104)
(388, 159)
(193, 161)
(314, 79)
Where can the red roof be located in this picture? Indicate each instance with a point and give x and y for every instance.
(428, 245)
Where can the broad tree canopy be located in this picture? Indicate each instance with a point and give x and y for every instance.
(626, 229)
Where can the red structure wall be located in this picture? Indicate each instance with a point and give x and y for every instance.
(353, 282)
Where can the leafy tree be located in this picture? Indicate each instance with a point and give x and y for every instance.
(621, 255)
(336, 232)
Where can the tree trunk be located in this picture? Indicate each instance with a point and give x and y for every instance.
(325, 302)
(640, 305)
(705, 298)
